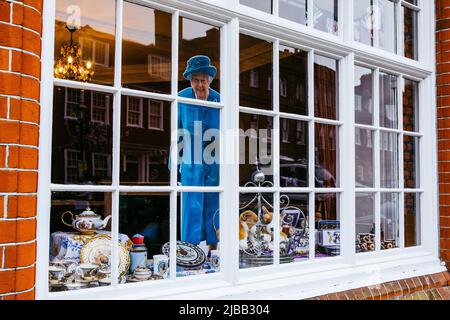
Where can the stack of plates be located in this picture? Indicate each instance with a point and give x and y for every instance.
(251, 261)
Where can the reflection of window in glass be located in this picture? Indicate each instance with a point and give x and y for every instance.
(364, 153)
(388, 101)
(285, 130)
(257, 55)
(410, 29)
(386, 20)
(263, 5)
(156, 115)
(72, 103)
(283, 88)
(146, 48)
(293, 10)
(325, 87)
(389, 160)
(101, 165)
(363, 88)
(134, 111)
(254, 79)
(301, 133)
(95, 26)
(363, 21)
(100, 108)
(411, 106)
(71, 165)
(326, 15)
(326, 140)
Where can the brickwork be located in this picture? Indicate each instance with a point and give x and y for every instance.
(20, 72)
(443, 104)
(430, 287)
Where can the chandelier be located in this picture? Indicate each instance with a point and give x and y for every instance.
(69, 66)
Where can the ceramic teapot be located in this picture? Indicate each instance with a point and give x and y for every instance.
(86, 222)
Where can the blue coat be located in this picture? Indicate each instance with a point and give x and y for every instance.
(198, 209)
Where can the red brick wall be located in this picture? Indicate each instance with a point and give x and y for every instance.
(20, 63)
(443, 103)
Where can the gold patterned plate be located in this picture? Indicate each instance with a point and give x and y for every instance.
(98, 251)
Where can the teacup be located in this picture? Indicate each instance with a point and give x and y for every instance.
(215, 260)
(161, 265)
(56, 273)
(86, 270)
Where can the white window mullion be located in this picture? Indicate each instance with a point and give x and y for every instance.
(376, 146)
(399, 11)
(311, 155)
(276, 150)
(116, 145)
(346, 20)
(376, 23)
(347, 159)
(401, 181)
(276, 7)
(174, 150)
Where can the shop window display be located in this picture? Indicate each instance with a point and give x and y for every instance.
(327, 225)
(80, 241)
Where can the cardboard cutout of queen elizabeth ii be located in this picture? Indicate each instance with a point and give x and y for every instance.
(199, 210)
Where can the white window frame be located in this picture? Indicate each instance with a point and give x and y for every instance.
(104, 108)
(95, 43)
(108, 163)
(161, 115)
(66, 165)
(293, 281)
(141, 112)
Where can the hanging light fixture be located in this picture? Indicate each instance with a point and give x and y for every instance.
(69, 66)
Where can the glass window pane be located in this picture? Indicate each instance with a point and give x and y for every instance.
(326, 93)
(256, 225)
(386, 23)
(363, 21)
(199, 60)
(198, 146)
(81, 146)
(293, 80)
(326, 15)
(389, 160)
(144, 218)
(294, 10)
(364, 148)
(294, 220)
(80, 254)
(412, 220)
(411, 33)
(256, 74)
(146, 49)
(255, 149)
(328, 231)
(411, 106)
(411, 162)
(263, 5)
(365, 222)
(326, 139)
(90, 54)
(198, 233)
(388, 101)
(294, 142)
(144, 142)
(389, 221)
(363, 95)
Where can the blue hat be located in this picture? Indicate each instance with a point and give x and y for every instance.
(199, 64)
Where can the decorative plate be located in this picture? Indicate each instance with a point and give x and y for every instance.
(98, 251)
(188, 255)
